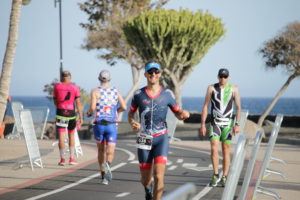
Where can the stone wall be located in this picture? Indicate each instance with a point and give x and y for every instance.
(288, 120)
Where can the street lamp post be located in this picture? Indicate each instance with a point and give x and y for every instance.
(60, 37)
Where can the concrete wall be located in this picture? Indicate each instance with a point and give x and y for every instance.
(288, 120)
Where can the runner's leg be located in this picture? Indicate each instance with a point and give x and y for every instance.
(101, 154)
(110, 150)
(111, 140)
(61, 138)
(226, 158)
(215, 155)
(159, 173)
(161, 148)
(146, 176)
(145, 160)
(226, 137)
(99, 137)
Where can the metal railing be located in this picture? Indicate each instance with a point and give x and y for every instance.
(264, 170)
(236, 167)
(243, 120)
(184, 192)
(251, 163)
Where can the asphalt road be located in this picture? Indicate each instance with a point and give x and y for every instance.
(184, 165)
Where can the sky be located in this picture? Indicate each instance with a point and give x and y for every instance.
(248, 23)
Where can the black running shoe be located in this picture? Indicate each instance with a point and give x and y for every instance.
(149, 196)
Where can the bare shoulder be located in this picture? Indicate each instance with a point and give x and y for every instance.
(95, 92)
(235, 87)
(210, 88)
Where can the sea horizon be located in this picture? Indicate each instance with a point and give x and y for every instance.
(289, 106)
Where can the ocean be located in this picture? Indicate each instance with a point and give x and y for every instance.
(285, 106)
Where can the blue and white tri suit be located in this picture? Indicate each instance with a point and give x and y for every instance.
(106, 109)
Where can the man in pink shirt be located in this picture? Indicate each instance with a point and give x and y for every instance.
(65, 95)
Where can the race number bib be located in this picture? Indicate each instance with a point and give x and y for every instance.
(144, 141)
(62, 122)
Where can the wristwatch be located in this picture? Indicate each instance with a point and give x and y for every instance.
(237, 123)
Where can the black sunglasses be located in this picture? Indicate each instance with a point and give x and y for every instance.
(222, 76)
(153, 71)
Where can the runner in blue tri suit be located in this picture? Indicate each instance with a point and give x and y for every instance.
(107, 101)
(153, 102)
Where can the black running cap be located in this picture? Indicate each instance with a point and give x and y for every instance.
(223, 72)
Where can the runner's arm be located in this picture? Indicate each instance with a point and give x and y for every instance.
(79, 108)
(134, 124)
(182, 114)
(237, 102)
(55, 95)
(205, 106)
(205, 110)
(93, 103)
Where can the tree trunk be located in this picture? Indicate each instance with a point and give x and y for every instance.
(274, 101)
(177, 93)
(8, 60)
(136, 74)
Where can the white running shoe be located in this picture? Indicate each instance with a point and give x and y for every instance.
(107, 171)
(104, 181)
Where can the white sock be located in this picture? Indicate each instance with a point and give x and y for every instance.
(62, 153)
(72, 152)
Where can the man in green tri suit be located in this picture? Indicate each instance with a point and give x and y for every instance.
(222, 96)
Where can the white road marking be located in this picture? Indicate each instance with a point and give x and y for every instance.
(193, 166)
(202, 193)
(134, 162)
(187, 165)
(205, 190)
(194, 150)
(172, 167)
(169, 162)
(210, 166)
(131, 155)
(73, 184)
(199, 169)
(179, 160)
(123, 194)
(132, 145)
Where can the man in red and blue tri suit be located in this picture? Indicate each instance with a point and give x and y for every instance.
(153, 102)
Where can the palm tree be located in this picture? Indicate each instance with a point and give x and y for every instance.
(283, 50)
(8, 60)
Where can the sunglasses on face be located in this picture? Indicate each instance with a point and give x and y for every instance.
(153, 71)
(223, 76)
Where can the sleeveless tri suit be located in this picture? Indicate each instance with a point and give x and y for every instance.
(222, 101)
(106, 112)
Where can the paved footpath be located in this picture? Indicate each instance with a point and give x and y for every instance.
(14, 151)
